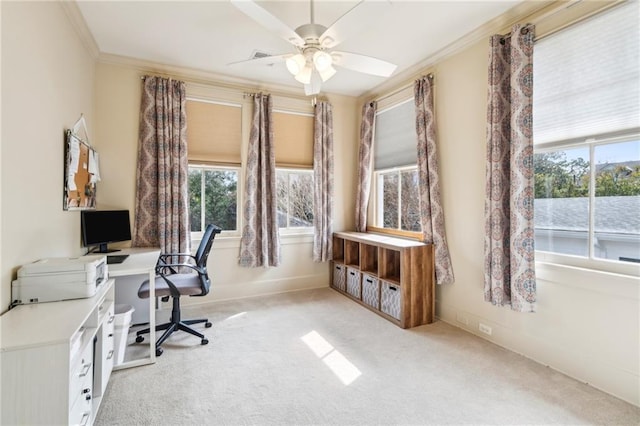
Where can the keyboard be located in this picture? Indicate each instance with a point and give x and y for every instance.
(116, 258)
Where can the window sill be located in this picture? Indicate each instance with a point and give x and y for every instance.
(396, 233)
(233, 240)
(627, 269)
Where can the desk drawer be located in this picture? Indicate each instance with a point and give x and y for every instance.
(81, 412)
(106, 348)
(81, 375)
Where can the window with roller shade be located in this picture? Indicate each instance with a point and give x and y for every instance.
(293, 134)
(586, 129)
(214, 138)
(395, 182)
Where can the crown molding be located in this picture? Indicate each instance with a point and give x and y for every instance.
(199, 76)
(516, 14)
(78, 23)
(527, 11)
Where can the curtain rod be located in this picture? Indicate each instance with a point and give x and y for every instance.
(574, 20)
(430, 76)
(535, 21)
(314, 100)
(524, 30)
(233, 88)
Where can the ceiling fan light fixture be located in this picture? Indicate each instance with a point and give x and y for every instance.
(327, 74)
(296, 63)
(322, 60)
(304, 76)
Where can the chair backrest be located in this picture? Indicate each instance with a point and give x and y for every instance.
(202, 254)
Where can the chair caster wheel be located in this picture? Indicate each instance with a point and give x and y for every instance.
(159, 351)
(207, 324)
(204, 341)
(139, 339)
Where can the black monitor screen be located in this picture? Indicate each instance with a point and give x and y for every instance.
(99, 227)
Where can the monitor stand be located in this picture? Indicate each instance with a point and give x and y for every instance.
(103, 249)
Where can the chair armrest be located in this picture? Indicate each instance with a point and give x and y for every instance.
(166, 277)
(166, 260)
(171, 267)
(176, 254)
(164, 256)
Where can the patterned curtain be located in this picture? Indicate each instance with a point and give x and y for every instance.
(364, 164)
(162, 198)
(260, 243)
(323, 182)
(431, 212)
(509, 277)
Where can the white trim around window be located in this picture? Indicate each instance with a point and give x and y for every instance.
(377, 196)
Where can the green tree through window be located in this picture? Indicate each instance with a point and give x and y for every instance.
(213, 197)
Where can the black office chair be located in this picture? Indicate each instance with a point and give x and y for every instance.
(171, 281)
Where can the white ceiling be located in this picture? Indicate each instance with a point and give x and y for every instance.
(209, 35)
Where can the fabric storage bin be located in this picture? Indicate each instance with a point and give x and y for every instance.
(340, 276)
(353, 282)
(390, 299)
(371, 291)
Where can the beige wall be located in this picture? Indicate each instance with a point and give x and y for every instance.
(47, 82)
(118, 89)
(587, 323)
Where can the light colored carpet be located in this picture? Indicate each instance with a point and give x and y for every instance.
(285, 359)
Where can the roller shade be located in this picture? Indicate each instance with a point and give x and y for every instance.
(395, 142)
(587, 79)
(293, 136)
(214, 132)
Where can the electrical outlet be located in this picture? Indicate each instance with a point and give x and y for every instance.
(484, 328)
(462, 319)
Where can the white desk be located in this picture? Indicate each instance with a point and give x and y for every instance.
(56, 359)
(141, 262)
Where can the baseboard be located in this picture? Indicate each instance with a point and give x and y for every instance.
(242, 290)
(612, 379)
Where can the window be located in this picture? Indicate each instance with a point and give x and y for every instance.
(396, 188)
(295, 198)
(566, 193)
(214, 141)
(213, 197)
(293, 135)
(586, 102)
(398, 191)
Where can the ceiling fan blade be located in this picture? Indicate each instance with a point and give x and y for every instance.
(352, 22)
(266, 60)
(268, 21)
(364, 64)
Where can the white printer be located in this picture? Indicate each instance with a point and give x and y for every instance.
(53, 279)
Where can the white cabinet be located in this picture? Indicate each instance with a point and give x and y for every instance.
(56, 359)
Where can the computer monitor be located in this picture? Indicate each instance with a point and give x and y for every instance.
(100, 227)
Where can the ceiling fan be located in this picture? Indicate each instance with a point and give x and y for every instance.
(313, 63)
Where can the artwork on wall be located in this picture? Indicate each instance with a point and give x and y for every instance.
(81, 169)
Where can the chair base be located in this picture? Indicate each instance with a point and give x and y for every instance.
(175, 324)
